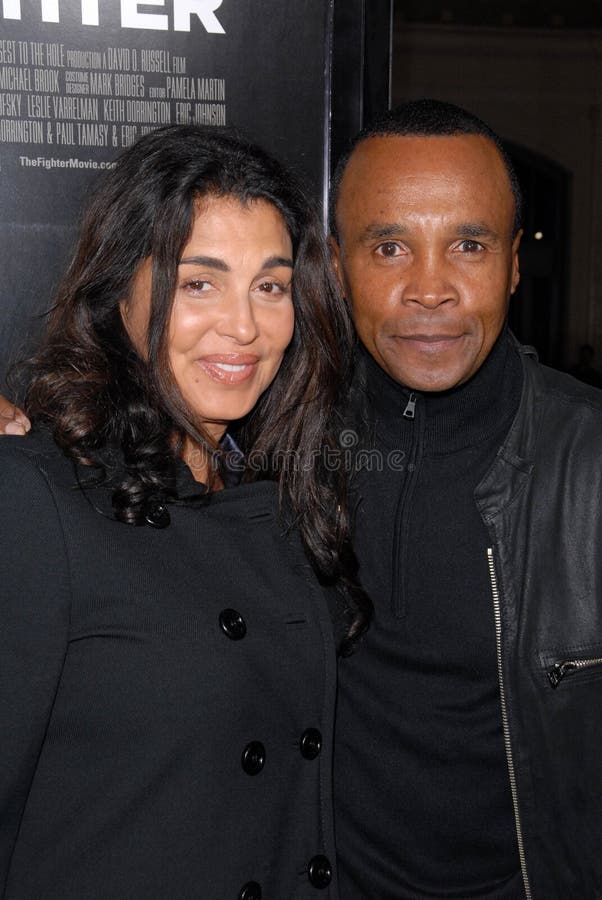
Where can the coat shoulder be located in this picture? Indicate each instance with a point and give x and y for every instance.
(574, 401)
(29, 461)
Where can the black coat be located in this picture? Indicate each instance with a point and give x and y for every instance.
(166, 697)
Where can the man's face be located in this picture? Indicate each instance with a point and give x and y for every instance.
(425, 254)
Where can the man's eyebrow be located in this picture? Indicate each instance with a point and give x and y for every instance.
(213, 262)
(475, 230)
(382, 230)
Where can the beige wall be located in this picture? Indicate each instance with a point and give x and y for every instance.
(539, 88)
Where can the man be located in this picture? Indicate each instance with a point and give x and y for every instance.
(468, 723)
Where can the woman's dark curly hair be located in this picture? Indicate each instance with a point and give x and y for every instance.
(98, 395)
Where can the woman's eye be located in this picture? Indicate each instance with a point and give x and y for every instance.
(470, 247)
(388, 249)
(197, 286)
(272, 287)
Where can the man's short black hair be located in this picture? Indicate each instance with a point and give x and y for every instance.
(425, 118)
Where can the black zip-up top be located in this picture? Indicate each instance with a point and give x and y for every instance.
(423, 799)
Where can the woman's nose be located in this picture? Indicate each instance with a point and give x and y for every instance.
(238, 318)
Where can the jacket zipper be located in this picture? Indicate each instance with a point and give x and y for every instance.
(400, 544)
(505, 723)
(568, 666)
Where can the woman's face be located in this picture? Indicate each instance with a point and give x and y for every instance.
(232, 316)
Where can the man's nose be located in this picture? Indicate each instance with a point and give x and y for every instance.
(237, 319)
(429, 282)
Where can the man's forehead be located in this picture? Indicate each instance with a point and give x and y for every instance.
(413, 154)
(393, 169)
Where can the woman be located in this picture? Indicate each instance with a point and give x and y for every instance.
(167, 690)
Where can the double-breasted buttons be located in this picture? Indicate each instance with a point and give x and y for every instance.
(232, 624)
(250, 891)
(310, 743)
(320, 871)
(253, 758)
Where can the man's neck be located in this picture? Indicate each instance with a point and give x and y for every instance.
(454, 419)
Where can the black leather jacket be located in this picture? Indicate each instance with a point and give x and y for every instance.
(542, 504)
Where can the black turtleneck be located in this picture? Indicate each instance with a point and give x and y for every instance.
(421, 782)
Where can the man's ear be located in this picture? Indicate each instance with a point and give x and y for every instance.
(515, 266)
(335, 257)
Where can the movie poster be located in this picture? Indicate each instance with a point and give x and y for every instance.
(80, 80)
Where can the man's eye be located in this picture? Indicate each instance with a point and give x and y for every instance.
(470, 247)
(388, 248)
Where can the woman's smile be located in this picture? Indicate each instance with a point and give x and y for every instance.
(229, 368)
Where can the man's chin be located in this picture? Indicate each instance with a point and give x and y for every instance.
(426, 380)
(429, 367)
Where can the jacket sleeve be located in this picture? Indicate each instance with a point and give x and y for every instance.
(34, 621)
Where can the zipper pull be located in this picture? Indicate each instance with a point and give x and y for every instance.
(566, 666)
(410, 410)
(559, 670)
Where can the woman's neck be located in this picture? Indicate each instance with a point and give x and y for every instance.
(201, 464)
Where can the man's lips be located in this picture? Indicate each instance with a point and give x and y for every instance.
(229, 368)
(429, 341)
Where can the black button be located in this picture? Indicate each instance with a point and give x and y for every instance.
(232, 624)
(320, 871)
(250, 891)
(311, 743)
(156, 515)
(253, 758)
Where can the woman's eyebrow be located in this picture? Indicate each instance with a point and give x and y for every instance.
(214, 262)
(274, 262)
